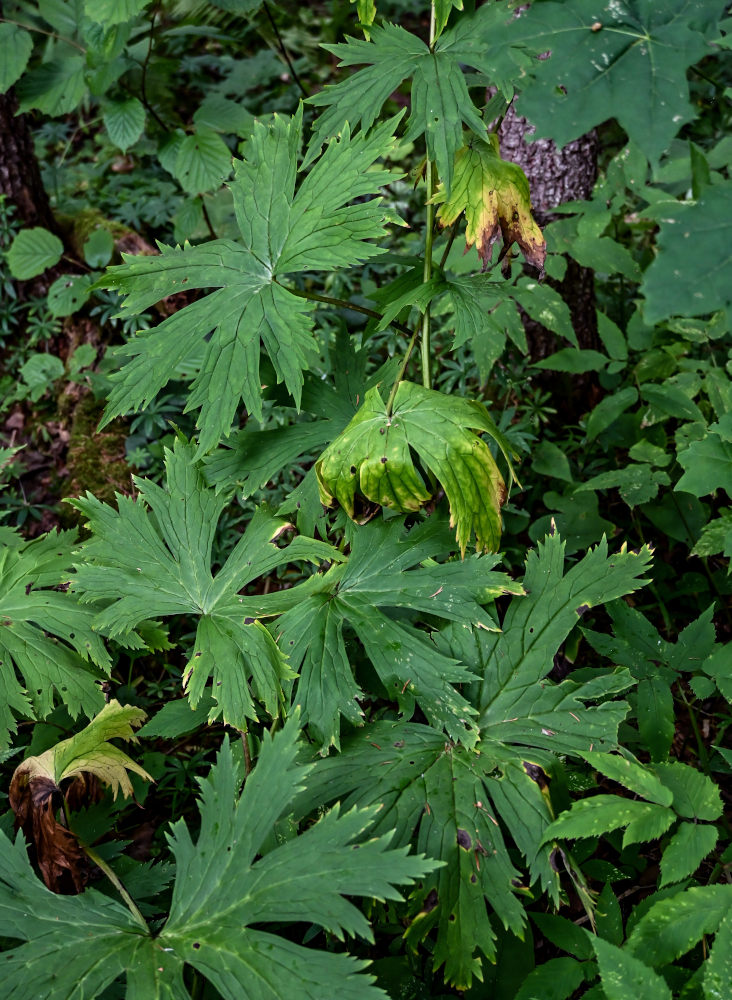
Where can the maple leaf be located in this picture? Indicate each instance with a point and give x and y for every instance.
(494, 194)
(373, 454)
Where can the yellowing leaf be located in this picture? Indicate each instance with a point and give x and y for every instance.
(35, 794)
(494, 194)
(90, 752)
(373, 455)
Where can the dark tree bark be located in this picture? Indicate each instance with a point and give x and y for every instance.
(555, 177)
(20, 175)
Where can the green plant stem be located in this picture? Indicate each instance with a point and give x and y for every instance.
(345, 304)
(402, 369)
(450, 241)
(131, 904)
(429, 234)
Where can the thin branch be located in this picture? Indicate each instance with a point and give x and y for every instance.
(143, 80)
(41, 31)
(345, 304)
(283, 51)
(207, 219)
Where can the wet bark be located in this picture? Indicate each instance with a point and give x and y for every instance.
(20, 175)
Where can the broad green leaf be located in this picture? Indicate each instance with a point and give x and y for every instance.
(605, 256)
(494, 195)
(44, 634)
(383, 573)
(54, 87)
(68, 294)
(313, 229)
(73, 945)
(535, 626)
(707, 466)
(177, 718)
(604, 813)
(444, 793)
(98, 248)
(718, 967)
(631, 775)
(719, 667)
(222, 115)
(556, 979)
(565, 934)
(655, 712)
(440, 102)
(222, 889)
(203, 162)
(603, 55)
(16, 45)
(686, 850)
(673, 925)
(226, 882)
(545, 306)
(111, 12)
(696, 796)
(636, 483)
(124, 122)
(691, 274)
(625, 977)
(574, 360)
(152, 557)
(89, 751)
(32, 252)
(373, 455)
(609, 409)
(608, 916)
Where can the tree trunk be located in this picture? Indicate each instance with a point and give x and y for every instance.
(555, 177)
(20, 175)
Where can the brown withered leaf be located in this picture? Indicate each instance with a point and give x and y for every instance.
(36, 800)
(494, 194)
(75, 769)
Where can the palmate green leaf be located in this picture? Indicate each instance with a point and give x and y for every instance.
(455, 795)
(152, 557)
(75, 946)
(373, 455)
(440, 102)
(56, 961)
(383, 574)
(45, 635)
(443, 792)
(603, 55)
(281, 232)
(221, 891)
(692, 273)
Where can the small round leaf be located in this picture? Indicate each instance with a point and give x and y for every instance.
(32, 252)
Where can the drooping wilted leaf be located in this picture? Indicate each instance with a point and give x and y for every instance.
(85, 760)
(373, 455)
(494, 194)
